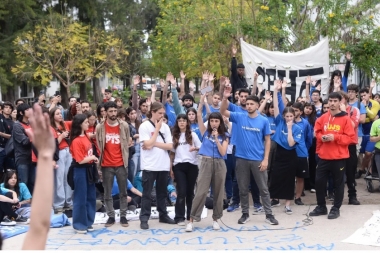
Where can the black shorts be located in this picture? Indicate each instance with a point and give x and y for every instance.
(302, 168)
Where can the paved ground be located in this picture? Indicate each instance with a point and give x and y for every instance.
(323, 234)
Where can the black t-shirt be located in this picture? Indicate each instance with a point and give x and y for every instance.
(6, 126)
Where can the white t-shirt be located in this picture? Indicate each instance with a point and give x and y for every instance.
(154, 159)
(182, 154)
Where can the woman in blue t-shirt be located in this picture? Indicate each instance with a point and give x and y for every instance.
(212, 169)
(283, 170)
(192, 114)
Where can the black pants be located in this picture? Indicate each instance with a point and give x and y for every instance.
(186, 175)
(136, 200)
(148, 179)
(6, 208)
(337, 169)
(310, 182)
(352, 162)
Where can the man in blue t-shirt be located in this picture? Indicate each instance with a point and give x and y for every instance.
(252, 130)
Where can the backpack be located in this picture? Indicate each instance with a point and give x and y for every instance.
(9, 148)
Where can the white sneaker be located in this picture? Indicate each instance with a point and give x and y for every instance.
(181, 223)
(258, 211)
(189, 227)
(312, 191)
(215, 225)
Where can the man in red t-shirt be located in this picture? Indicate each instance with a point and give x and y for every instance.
(113, 141)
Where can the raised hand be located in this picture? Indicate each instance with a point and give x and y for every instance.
(148, 101)
(373, 84)
(284, 83)
(308, 79)
(211, 77)
(182, 74)
(255, 76)
(154, 88)
(41, 135)
(318, 87)
(162, 83)
(222, 80)
(168, 76)
(205, 75)
(136, 80)
(268, 96)
(348, 56)
(203, 99)
(233, 50)
(227, 91)
(191, 86)
(277, 84)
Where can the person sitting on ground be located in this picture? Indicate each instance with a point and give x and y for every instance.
(133, 198)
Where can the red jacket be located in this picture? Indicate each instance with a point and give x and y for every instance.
(341, 127)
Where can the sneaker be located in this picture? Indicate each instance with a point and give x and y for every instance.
(330, 197)
(258, 211)
(288, 210)
(144, 225)
(166, 219)
(181, 223)
(244, 218)
(124, 222)
(319, 210)
(298, 202)
(275, 202)
(215, 225)
(334, 213)
(233, 207)
(353, 201)
(22, 220)
(189, 227)
(271, 220)
(81, 231)
(110, 222)
(359, 174)
(90, 229)
(257, 205)
(8, 222)
(312, 191)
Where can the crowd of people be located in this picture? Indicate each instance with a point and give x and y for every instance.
(237, 140)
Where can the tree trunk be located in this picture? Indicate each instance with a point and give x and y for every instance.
(36, 91)
(98, 98)
(9, 95)
(65, 94)
(82, 91)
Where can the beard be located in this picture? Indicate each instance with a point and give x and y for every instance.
(113, 118)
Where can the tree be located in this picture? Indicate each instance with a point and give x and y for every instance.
(62, 48)
(205, 30)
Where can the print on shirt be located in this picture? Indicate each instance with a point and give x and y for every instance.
(331, 127)
(113, 138)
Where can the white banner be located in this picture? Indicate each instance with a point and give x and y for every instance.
(313, 61)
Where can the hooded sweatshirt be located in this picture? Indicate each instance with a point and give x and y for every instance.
(340, 126)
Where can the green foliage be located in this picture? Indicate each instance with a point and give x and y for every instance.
(205, 30)
(126, 94)
(68, 50)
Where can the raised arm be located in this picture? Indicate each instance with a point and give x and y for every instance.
(346, 71)
(136, 81)
(182, 87)
(307, 89)
(211, 79)
(225, 102)
(177, 107)
(191, 88)
(254, 86)
(234, 73)
(204, 79)
(153, 95)
(267, 97)
(371, 86)
(277, 86)
(201, 125)
(222, 84)
(43, 140)
(164, 86)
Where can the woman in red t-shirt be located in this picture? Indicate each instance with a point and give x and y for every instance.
(62, 191)
(84, 199)
(91, 134)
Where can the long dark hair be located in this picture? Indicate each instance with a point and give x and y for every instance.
(177, 132)
(334, 74)
(137, 121)
(222, 130)
(7, 176)
(76, 128)
(191, 109)
(52, 121)
(98, 111)
(313, 116)
(90, 114)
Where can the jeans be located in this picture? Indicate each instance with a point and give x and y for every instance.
(84, 200)
(6, 208)
(337, 168)
(109, 174)
(136, 158)
(62, 192)
(27, 174)
(186, 175)
(131, 171)
(6, 162)
(230, 164)
(148, 179)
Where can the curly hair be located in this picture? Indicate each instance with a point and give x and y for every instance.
(176, 132)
